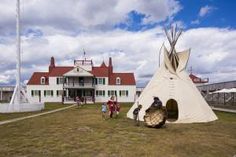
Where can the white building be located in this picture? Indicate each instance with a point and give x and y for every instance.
(91, 83)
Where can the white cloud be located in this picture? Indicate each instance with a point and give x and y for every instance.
(4, 79)
(79, 15)
(212, 51)
(73, 25)
(195, 22)
(205, 10)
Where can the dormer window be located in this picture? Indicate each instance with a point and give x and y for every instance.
(118, 81)
(43, 80)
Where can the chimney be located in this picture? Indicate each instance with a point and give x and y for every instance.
(52, 64)
(110, 66)
(110, 69)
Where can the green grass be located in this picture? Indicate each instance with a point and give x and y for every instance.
(48, 107)
(82, 132)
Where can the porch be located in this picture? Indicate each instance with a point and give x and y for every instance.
(85, 95)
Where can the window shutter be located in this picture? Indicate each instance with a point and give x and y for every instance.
(32, 93)
(57, 80)
(103, 80)
(96, 81)
(127, 93)
(115, 93)
(45, 93)
(103, 93)
(51, 92)
(120, 92)
(109, 93)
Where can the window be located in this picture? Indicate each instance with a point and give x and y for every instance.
(59, 93)
(60, 80)
(48, 93)
(118, 81)
(112, 93)
(95, 81)
(100, 93)
(35, 93)
(43, 80)
(101, 81)
(124, 93)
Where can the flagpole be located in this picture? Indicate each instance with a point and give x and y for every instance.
(18, 59)
(84, 54)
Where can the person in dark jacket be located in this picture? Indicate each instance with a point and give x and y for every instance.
(136, 113)
(157, 104)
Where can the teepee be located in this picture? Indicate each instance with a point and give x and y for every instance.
(175, 89)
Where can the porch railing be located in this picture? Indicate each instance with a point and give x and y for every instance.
(79, 85)
(86, 99)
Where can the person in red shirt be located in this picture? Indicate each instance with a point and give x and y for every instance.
(111, 106)
(117, 108)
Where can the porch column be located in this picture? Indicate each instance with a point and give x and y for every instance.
(67, 93)
(93, 95)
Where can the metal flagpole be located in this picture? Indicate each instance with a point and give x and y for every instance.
(18, 62)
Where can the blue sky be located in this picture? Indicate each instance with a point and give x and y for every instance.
(220, 13)
(129, 31)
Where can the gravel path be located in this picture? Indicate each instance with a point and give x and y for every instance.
(35, 115)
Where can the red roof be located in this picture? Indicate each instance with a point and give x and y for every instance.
(196, 79)
(103, 65)
(35, 78)
(100, 71)
(126, 78)
(56, 71)
(59, 71)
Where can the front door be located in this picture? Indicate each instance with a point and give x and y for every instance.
(172, 110)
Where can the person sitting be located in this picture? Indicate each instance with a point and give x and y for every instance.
(157, 104)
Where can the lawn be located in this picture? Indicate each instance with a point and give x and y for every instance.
(82, 132)
(48, 107)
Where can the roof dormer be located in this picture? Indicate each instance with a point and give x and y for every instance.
(118, 80)
(43, 80)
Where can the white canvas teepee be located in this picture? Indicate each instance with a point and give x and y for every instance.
(173, 86)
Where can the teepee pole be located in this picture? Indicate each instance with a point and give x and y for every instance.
(160, 53)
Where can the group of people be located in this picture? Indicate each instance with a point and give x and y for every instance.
(113, 107)
(80, 101)
(157, 104)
